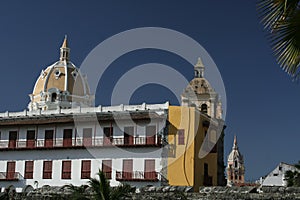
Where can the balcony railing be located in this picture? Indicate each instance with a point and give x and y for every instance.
(137, 176)
(10, 176)
(81, 142)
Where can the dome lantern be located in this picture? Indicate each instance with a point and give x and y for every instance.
(64, 50)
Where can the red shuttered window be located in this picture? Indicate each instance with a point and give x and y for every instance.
(127, 169)
(28, 174)
(66, 169)
(106, 168)
(47, 170)
(85, 169)
(10, 170)
(150, 173)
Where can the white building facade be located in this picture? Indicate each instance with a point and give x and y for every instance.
(277, 176)
(63, 140)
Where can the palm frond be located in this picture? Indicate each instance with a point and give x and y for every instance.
(282, 19)
(121, 191)
(100, 186)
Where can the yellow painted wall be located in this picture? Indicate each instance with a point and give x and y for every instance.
(181, 157)
(184, 166)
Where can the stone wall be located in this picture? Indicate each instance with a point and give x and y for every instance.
(180, 193)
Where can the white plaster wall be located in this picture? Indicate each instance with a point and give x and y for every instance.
(117, 155)
(276, 177)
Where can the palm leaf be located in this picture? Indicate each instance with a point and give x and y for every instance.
(120, 191)
(282, 19)
(100, 186)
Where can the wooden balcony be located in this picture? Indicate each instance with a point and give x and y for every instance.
(141, 141)
(10, 176)
(137, 176)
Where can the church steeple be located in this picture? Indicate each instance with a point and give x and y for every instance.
(235, 166)
(64, 50)
(199, 69)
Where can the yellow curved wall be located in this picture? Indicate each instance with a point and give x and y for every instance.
(184, 166)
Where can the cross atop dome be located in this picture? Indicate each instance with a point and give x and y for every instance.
(64, 50)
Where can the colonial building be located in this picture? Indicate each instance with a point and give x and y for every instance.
(235, 166)
(61, 139)
(277, 176)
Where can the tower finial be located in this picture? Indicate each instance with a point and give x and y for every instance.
(64, 50)
(199, 69)
(235, 143)
(199, 63)
(65, 42)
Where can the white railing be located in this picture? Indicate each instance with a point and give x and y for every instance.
(92, 142)
(79, 110)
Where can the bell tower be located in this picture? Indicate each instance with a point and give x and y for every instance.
(201, 95)
(235, 166)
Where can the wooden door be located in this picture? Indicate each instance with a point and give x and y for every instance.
(150, 134)
(150, 173)
(12, 139)
(127, 169)
(128, 135)
(30, 142)
(10, 170)
(87, 137)
(106, 168)
(108, 135)
(67, 140)
(48, 138)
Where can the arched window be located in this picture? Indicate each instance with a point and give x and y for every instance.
(53, 97)
(204, 108)
(196, 73)
(235, 164)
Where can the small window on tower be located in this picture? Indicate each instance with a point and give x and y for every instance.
(180, 133)
(204, 108)
(53, 97)
(235, 164)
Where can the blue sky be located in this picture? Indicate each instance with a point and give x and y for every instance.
(262, 101)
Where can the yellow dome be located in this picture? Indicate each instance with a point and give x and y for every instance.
(60, 85)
